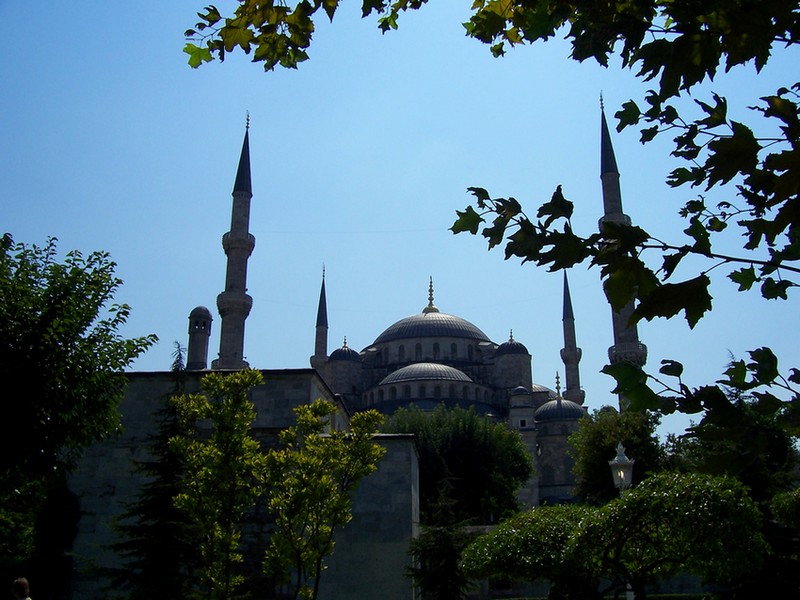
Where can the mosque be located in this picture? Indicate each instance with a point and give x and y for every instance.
(432, 357)
(421, 360)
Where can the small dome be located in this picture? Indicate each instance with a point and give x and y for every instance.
(345, 353)
(512, 346)
(520, 390)
(200, 312)
(558, 410)
(426, 371)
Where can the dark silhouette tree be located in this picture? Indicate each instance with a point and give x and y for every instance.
(158, 540)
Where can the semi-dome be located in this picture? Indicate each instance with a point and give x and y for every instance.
(536, 389)
(431, 324)
(558, 410)
(426, 372)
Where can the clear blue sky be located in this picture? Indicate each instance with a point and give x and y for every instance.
(360, 160)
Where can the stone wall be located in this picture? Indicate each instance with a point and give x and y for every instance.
(371, 552)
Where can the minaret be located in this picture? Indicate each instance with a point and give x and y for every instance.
(199, 334)
(321, 336)
(570, 353)
(627, 346)
(233, 303)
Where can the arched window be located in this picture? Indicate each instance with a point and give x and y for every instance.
(418, 352)
(465, 393)
(453, 350)
(401, 353)
(437, 391)
(393, 393)
(436, 350)
(380, 395)
(407, 391)
(422, 391)
(469, 352)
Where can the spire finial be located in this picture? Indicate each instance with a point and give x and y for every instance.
(601, 101)
(247, 121)
(431, 307)
(323, 271)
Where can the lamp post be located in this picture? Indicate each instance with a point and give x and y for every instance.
(621, 469)
(622, 472)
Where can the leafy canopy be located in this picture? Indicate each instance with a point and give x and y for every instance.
(312, 477)
(60, 343)
(61, 337)
(224, 473)
(476, 463)
(668, 524)
(594, 443)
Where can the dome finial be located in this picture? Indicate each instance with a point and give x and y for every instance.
(510, 335)
(431, 307)
(558, 385)
(344, 345)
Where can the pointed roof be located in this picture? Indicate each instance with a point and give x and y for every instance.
(322, 308)
(567, 313)
(242, 183)
(608, 162)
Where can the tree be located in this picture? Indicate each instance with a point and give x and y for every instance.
(479, 463)
(157, 540)
(436, 552)
(594, 444)
(61, 338)
(224, 473)
(537, 544)
(672, 523)
(668, 524)
(312, 477)
(751, 446)
(470, 468)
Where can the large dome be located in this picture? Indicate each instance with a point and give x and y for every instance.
(431, 324)
(426, 371)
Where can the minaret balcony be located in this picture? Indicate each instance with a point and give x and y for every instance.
(234, 303)
(632, 352)
(230, 243)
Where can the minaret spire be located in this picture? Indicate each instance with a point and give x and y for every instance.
(234, 303)
(321, 335)
(627, 346)
(570, 353)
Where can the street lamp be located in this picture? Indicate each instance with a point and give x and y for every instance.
(622, 472)
(621, 469)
